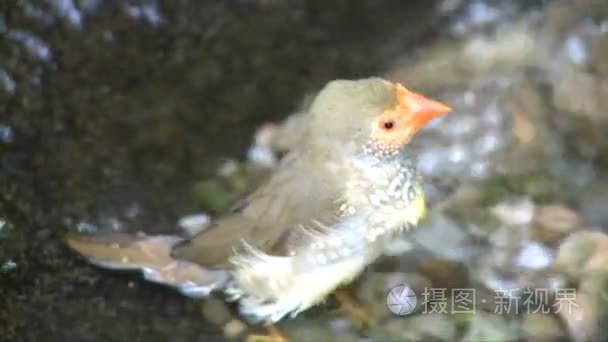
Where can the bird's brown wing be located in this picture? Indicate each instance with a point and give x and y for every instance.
(304, 188)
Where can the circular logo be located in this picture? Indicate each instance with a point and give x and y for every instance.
(401, 300)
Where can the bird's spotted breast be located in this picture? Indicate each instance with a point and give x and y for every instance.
(389, 193)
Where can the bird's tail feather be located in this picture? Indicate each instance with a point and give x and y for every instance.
(151, 255)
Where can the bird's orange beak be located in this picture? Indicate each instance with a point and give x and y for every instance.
(420, 109)
(423, 109)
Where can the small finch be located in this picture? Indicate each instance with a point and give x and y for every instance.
(333, 204)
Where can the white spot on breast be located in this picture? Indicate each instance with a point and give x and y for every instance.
(382, 195)
(374, 200)
(392, 188)
(404, 194)
(411, 194)
(335, 242)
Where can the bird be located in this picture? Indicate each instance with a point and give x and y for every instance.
(336, 199)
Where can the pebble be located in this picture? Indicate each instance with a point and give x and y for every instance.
(216, 311)
(234, 328)
(575, 252)
(554, 221)
(581, 317)
(593, 203)
(541, 327)
(534, 256)
(436, 327)
(194, 223)
(455, 242)
(518, 212)
(490, 327)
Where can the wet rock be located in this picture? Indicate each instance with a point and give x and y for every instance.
(535, 143)
(541, 327)
(439, 327)
(215, 311)
(455, 243)
(8, 266)
(598, 262)
(576, 50)
(471, 59)
(599, 51)
(194, 223)
(466, 198)
(517, 212)
(534, 256)
(5, 228)
(507, 238)
(262, 152)
(514, 261)
(308, 331)
(592, 202)
(534, 139)
(577, 250)
(586, 101)
(579, 89)
(234, 328)
(489, 327)
(444, 273)
(35, 47)
(554, 221)
(86, 227)
(7, 84)
(341, 325)
(585, 311)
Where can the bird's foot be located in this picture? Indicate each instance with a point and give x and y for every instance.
(360, 317)
(273, 335)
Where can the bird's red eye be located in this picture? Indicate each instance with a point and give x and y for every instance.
(388, 124)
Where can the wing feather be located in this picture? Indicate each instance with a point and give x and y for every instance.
(304, 190)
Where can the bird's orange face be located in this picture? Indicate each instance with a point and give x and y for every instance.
(396, 126)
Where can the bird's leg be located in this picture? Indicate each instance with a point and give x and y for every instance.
(273, 335)
(359, 316)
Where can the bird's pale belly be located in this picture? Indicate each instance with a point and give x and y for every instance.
(300, 292)
(270, 287)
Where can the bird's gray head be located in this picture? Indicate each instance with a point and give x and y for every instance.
(373, 115)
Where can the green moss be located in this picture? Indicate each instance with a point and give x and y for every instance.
(539, 186)
(211, 195)
(462, 321)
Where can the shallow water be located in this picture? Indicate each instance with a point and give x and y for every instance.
(109, 114)
(111, 111)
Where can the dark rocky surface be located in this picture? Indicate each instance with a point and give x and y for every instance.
(111, 110)
(117, 116)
